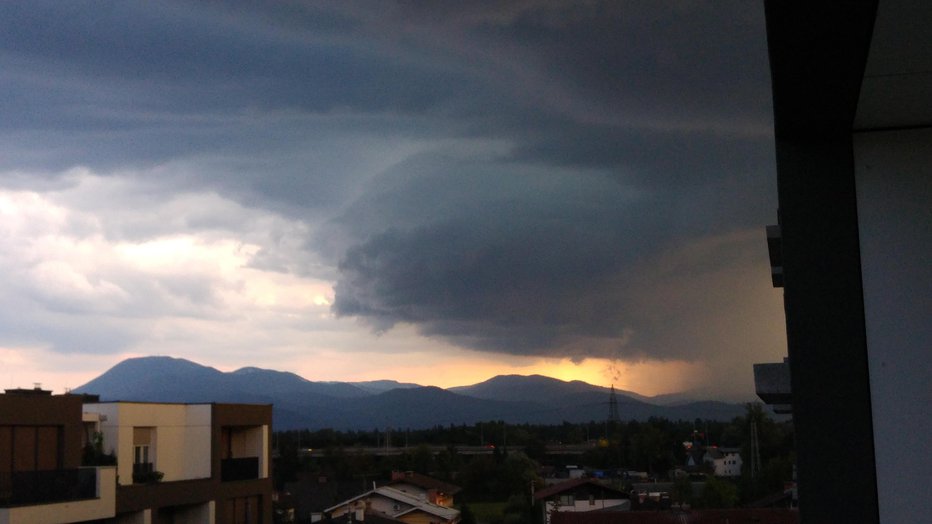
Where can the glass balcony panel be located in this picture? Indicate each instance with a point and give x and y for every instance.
(246, 468)
(22, 488)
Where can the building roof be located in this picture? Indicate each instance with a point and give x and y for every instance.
(311, 494)
(423, 481)
(369, 517)
(572, 485)
(405, 498)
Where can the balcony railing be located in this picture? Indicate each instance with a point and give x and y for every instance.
(144, 472)
(27, 488)
(246, 468)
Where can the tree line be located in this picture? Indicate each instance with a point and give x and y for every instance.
(520, 455)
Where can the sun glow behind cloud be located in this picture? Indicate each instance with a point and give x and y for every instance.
(197, 294)
(449, 366)
(577, 193)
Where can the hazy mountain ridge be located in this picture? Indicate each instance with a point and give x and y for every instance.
(300, 403)
(381, 386)
(534, 388)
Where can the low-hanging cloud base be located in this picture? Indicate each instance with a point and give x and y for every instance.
(336, 187)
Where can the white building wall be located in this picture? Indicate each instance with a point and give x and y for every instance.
(893, 173)
(180, 446)
(264, 446)
(117, 439)
(197, 442)
(583, 506)
(729, 465)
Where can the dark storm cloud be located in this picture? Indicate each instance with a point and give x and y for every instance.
(464, 240)
(650, 128)
(525, 260)
(267, 103)
(558, 150)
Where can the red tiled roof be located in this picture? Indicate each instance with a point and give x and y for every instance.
(571, 485)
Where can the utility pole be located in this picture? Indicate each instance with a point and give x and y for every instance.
(613, 417)
(755, 451)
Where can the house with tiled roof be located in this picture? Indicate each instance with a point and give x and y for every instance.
(724, 462)
(581, 495)
(424, 487)
(387, 502)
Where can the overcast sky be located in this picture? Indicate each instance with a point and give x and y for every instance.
(429, 192)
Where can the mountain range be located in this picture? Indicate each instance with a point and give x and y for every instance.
(300, 403)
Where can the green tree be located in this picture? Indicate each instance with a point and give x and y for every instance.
(718, 493)
(518, 471)
(682, 490)
(518, 510)
(422, 460)
(287, 465)
(466, 515)
(650, 448)
(93, 453)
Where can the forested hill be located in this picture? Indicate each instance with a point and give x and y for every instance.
(300, 403)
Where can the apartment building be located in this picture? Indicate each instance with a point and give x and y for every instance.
(189, 462)
(853, 140)
(175, 463)
(41, 478)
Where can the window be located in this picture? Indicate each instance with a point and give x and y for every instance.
(144, 455)
(567, 500)
(30, 448)
(141, 454)
(142, 445)
(244, 510)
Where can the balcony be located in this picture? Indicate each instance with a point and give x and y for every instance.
(772, 384)
(246, 468)
(144, 473)
(29, 488)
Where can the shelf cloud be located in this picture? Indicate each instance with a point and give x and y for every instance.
(544, 179)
